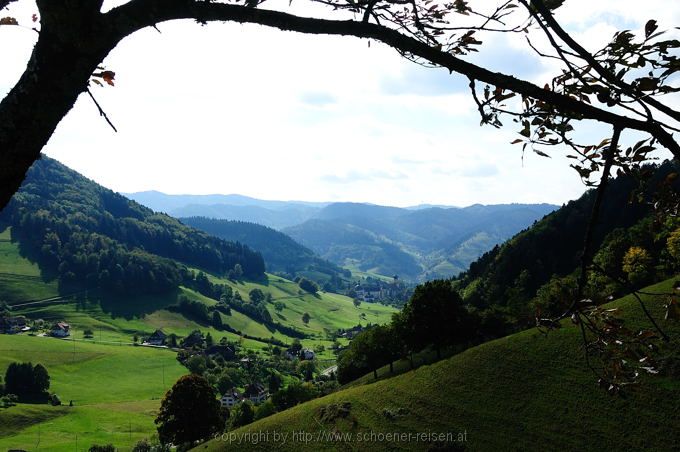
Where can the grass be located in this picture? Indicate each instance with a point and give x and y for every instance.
(116, 388)
(20, 279)
(117, 318)
(523, 392)
(116, 391)
(328, 311)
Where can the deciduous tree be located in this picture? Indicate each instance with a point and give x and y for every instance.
(189, 412)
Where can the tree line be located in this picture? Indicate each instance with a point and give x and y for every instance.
(435, 316)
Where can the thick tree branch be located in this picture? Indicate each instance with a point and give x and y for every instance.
(138, 14)
(4, 3)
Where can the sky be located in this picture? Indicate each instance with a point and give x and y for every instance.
(228, 108)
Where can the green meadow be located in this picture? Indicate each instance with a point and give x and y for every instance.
(116, 319)
(115, 389)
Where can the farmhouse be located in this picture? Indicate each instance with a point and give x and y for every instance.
(194, 339)
(61, 329)
(13, 325)
(224, 351)
(368, 293)
(231, 398)
(352, 332)
(256, 393)
(157, 338)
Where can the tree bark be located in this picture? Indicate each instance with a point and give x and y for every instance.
(71, 45)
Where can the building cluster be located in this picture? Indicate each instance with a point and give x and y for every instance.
(303, 354)
(374, 290)
(256, 393)
(13, 324)
(19, 324)
(350, 333)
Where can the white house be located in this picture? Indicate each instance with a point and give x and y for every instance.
(231, 398)
(61, 329)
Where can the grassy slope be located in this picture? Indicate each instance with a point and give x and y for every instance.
(523, 392)
(116, 387)
(116, 391)
(328, 311)
(20, 279)
(117, 319)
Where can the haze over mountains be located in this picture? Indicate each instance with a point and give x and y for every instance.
(416, 243)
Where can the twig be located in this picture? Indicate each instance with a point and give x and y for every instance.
(101, 111)
(590, 230)
(635, 293)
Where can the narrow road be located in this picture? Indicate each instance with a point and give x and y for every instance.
(328, 371)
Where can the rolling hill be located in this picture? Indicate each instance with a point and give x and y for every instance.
(274, 214)
(416, 243)
(527, 391)
(85, 235)
(281, 253)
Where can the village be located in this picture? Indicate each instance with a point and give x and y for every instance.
(239, 375)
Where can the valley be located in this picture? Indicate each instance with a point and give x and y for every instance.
(415, 243)
(239, 318)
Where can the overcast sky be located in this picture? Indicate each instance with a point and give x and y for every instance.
(228, 108)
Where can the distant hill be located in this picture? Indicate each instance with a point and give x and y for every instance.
(415, 244)
(83, 233)
(527, 391)
(281, 253)
(274, 214)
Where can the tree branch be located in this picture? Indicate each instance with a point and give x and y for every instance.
(138, 14)
(5, 3)
(590, 59)
(102, 113)
(586, 257)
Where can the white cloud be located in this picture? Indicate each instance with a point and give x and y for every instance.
(230, 108)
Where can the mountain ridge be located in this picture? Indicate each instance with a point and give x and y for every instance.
(416, 243)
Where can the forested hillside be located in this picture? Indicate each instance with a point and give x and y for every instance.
(536, 270)
(83, 233)
(414, 244)
(281, 253)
